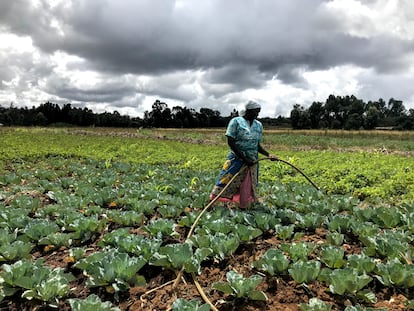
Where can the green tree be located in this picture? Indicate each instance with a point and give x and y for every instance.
(354, 122)
(184, 117)
(372, 117)
(299, 117)
(159, 116)
(396, 108)
(331, 111)
(40, 119)
(208, 117)
(316, 112)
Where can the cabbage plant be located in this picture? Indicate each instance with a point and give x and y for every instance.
(180, 256)
(183, 305)
(36, 280)
(305, 271)
(298, 251)
(240, 287)
(315, 304)
(361, 262)
(347, 280)
(115, 270)
(92, 303)
(272, 262)
(395, 273)
(332, 256)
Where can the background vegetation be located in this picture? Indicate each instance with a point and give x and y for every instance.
(336, 112)
(369, 165)
(99, 217)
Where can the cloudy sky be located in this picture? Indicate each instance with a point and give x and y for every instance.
(124, 54)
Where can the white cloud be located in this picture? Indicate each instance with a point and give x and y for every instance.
(123, 55)
(367, 19)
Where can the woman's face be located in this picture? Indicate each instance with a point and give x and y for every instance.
(252, 114)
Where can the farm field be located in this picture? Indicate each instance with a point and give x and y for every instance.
(102, 219)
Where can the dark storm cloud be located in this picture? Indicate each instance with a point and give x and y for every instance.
(159, 36)
(233, 78)
(225, 47)
(106, 91)
(380, 52)
(156, 36)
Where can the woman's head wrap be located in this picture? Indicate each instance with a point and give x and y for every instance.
(249, 106)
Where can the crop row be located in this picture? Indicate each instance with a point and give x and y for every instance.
(374, 176)
(114, 222)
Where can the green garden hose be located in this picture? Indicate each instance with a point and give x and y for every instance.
(291, 165)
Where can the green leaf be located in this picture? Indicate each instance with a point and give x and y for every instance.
(92, 303)
(183, 305)
(178, 256)
(272, 262)
(309, 221)
(284, 232)
(305, 272)
(39, 228)
(16, 250)
(161, 227)
(361, 262)
(298, 251)
(265, 221)
(335, 238)
(221, 225)
(367, 296)
(224, 245)
(387, 217)
(340, 223)
(38, 281)
(112, 268)
(395, 273)
(315, 304)
(126, 218)
(168, 211)
(247, 233)
(132, 243)
(223, 287)
(347, 280)
(332, 256)
(58, 239)
(241, 287)
(257, 295)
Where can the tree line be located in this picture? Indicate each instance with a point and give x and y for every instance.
(50, 114)
(336, 112)
(161, 116)
(351, 113)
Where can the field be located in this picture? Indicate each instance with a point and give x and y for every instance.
(106, 219)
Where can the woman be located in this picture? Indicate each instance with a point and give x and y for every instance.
(244, 135)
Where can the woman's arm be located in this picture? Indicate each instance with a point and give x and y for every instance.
(232, 144)
(263, 151)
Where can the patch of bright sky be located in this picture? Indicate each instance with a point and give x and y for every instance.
(78, 77)
(344, 78)
(54, 23)
(387, 17)
(319, 86)
(15, 44)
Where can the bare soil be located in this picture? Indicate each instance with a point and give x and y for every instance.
(283, 293)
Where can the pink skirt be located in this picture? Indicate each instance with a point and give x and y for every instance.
(244, 195)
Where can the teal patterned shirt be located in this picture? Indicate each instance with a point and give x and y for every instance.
(247, 137)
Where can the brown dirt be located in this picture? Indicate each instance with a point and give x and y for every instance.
(283, 293)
